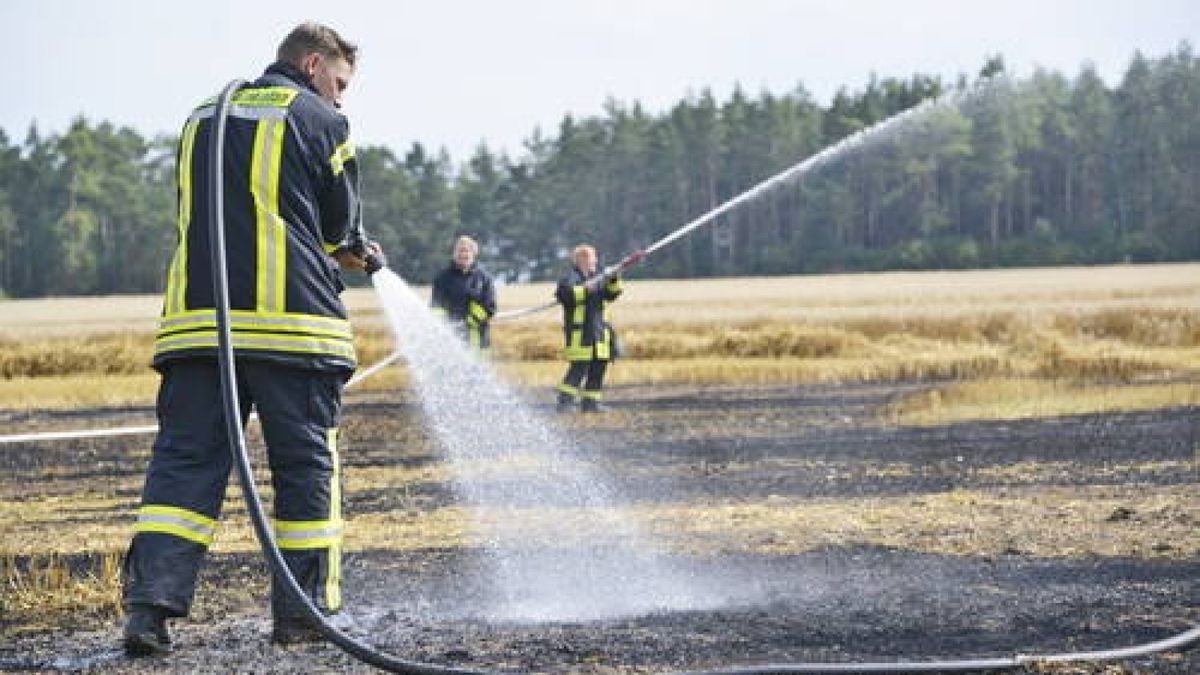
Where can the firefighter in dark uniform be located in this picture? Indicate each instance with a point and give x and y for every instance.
(584, 295)
(292, 217)
(465, 295)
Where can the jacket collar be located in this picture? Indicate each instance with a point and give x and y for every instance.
(292, 73)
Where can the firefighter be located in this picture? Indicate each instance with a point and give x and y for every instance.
(292, 217)
(464, 293)
(590, 340)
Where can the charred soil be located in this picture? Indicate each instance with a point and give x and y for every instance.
(1111, 563)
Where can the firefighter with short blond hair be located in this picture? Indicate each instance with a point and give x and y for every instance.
(590, 342)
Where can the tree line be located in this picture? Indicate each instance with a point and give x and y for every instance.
(1046, 170)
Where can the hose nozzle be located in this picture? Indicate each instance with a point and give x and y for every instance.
(370, 252)
(374, 261)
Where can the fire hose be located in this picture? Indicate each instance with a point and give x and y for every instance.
(368, 654)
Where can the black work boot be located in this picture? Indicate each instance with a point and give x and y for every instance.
(294, 631)
(566, 403)
(146, 631)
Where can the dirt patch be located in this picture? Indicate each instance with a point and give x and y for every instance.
(801, 599)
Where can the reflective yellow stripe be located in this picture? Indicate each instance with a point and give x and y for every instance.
(289, 332)
(300, 535)
(242, 112)
(476, 310)
(575, 349)
(592, 395)
(174, 298)
(302, 344)
(262, 321)
(253, 104)
(331, 248)
(173, 529)
(175, 521)
(580, 293)
(614, 284)
(274, 97)
(333, 579)
(341, 154)
(583, 353)
(271, 230)
(569, 390)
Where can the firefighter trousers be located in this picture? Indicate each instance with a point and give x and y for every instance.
(189, 469)
(584, 380)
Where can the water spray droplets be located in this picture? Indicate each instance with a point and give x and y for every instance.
(557, 537)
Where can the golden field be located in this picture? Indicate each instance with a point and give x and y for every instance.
(1096, 329)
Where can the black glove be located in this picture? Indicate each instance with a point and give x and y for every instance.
(374, 261)
(372, 255)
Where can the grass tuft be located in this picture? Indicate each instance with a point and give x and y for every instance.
(1020, 398)
(47, 585)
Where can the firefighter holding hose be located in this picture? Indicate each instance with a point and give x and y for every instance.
(591, 344)
(292, 217)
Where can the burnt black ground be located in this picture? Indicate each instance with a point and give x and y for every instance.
(690, 446)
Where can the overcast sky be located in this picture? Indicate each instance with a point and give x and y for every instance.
(450, 73)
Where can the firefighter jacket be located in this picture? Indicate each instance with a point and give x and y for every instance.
(468, 300)
(290, 200)
(586, 330)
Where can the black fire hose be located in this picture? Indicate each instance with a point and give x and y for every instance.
(237, 438)
(367, 654)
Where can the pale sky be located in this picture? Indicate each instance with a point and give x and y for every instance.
(450, 73)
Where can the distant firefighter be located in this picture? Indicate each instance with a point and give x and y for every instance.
(590, 340)
(465, 294)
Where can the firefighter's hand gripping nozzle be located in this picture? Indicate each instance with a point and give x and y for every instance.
(368, 251)
(374, 260)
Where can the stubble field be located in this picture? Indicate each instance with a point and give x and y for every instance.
(871, 467)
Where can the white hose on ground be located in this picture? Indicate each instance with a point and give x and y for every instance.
(153, 428)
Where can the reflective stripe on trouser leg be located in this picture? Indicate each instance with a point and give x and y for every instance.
(176, 521)
(333, 577)
(573, 380)
(298, 409)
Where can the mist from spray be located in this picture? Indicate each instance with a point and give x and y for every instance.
(555, 532)
(560, 539)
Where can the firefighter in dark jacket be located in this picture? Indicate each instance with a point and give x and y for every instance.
(465, 295)
(590, 341)
(292, 218)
